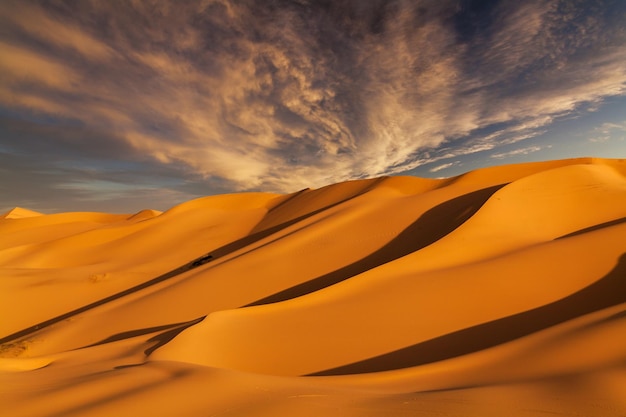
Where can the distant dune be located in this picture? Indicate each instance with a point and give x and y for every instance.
(500, 292)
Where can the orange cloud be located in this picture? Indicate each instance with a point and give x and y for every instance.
(297, 97)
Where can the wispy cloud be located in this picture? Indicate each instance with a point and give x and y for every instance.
(606, 132)
(517, 152)
(443, 166)
(284, 95)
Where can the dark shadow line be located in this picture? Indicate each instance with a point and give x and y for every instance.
(289, 198)
(427, 229)
(163, 338)
(595, 227)
(86, 408)
(607, 292)
(256, 236)
(217, 253)
(135, 333)
(65, 316)
(296, 196)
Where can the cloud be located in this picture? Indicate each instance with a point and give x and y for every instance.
(283, 95)
(443, 166)
(606, 131)
(48, 185)
(56, 168)
(63, 35)
(608, 127)
(516, 152)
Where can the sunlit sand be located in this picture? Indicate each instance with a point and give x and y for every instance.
(501, 292)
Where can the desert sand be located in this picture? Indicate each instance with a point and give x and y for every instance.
(500, 292)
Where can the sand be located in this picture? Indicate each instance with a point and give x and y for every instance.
(501, 292)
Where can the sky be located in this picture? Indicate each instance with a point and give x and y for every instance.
(118, 106)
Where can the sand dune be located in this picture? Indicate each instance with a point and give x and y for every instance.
(498, 292)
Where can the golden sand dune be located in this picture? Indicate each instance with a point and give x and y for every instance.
(498, 292)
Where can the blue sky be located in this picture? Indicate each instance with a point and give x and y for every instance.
(120, 106)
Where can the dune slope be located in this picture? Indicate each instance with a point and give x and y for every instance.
(498, 292)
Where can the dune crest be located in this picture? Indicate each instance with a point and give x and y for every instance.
(145, 215)
(498, 292)
(19, 213)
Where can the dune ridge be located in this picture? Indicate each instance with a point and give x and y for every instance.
(498, 292)
(19, 213)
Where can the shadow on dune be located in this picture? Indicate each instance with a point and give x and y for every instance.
(261, 234)
(163, 338)
(595, 227)
(39, 326)
(607, 292)
(166, 329)
(214, 255)
(430, 227)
